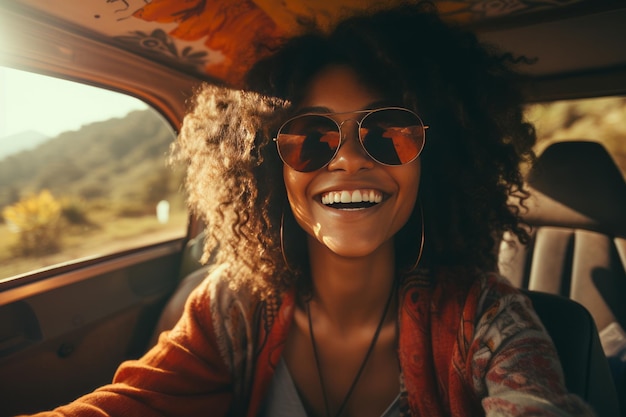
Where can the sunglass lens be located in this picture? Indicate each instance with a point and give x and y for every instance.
(393, 136)
(307, 143)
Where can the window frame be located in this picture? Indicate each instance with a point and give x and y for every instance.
(48, 49)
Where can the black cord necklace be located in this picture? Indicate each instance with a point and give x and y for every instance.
(361, 368)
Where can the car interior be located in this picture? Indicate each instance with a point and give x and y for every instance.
(117, 252)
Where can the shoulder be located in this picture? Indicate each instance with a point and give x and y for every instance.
(215, 289)
(224, 296)
(227, 306)
(502, 315)
(490, 309)
(239, 316)
(490, 302)
(217, 305)
(456, 295)
(469, 288)
(497, 300)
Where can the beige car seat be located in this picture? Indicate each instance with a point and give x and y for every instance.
(578, 214)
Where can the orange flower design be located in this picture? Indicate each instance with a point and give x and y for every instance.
(238, 29)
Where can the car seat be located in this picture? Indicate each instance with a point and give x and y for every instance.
(575, 336)
(577, 211)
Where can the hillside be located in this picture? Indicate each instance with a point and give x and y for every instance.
(18, 142)
(119, 159)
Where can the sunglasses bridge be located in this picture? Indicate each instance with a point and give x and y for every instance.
(356, 134)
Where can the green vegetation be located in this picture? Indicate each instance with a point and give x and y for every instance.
(36, 221)
(114, 159)
(89, 191)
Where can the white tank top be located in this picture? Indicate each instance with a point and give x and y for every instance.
(283, 400)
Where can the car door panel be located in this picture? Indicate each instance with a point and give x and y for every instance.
(64, 336)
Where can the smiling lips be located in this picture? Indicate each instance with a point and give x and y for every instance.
(357, 196)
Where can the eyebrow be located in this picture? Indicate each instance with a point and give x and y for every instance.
(312, 109)
(324, 110)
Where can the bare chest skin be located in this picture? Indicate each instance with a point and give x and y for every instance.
(341, 354)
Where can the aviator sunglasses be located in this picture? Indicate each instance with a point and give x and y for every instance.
(389, 135)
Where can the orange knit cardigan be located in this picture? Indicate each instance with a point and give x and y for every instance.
(469, 345)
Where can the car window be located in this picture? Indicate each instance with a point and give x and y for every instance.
(593, 119)
(83, 173)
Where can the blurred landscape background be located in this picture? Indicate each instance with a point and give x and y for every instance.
(600, 120)
(62, 198)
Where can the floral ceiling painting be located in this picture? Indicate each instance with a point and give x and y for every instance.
(220, 39)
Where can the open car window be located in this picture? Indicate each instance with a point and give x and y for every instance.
(601, 120)
(83, 174)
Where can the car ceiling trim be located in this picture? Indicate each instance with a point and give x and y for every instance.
(576, 86)
(39, 46)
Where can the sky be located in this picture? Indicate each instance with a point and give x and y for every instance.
(51, 106)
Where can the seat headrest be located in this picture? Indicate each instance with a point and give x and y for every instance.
(583, 180)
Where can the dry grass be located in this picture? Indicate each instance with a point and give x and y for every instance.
(81, 242)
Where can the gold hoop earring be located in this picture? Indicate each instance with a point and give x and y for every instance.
(282, 240)
(292, 241)
(421, 249)
(406, 242)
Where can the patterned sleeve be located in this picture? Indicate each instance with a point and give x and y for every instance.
(514, 365)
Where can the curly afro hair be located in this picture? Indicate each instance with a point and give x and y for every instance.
(475, 144)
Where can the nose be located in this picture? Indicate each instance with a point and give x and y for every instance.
(350, 156)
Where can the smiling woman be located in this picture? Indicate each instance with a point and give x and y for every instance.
(390, 308)
(337, 319)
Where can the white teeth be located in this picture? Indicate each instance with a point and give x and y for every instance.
(356, 196)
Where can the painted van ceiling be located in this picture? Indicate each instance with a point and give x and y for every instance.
(216, 39)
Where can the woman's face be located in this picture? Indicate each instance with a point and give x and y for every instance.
(360, 229)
